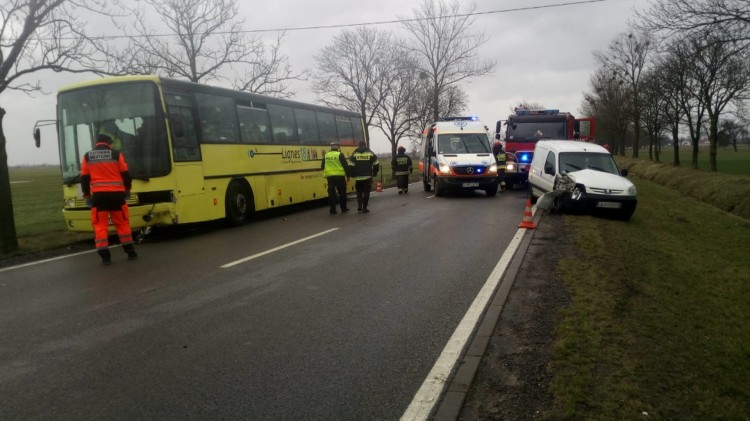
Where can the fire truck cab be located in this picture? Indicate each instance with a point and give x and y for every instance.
(526, 126)
(456, 154)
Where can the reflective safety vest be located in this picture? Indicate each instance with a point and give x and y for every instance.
(364, 164)
(402, 165)
(333, 165)
(104, 170)
(500, 158)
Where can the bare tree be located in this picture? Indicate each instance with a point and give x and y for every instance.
(452, 102)
(608, 103)
(447, 50)
(397, 112)
(655, 108)
(353, 72)
(728, 21)
(626, 58)
(36, 36)
(723, 74)
(203, 40)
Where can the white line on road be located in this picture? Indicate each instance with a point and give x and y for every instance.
(427, 396)
(237, 262)
(45, 260)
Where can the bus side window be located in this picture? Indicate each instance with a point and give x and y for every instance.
(283, 124)
(184, 136)
(344, 127)
(327, 126)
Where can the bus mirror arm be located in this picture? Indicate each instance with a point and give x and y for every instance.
(37, 132)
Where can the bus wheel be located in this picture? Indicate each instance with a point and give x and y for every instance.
(239, 203)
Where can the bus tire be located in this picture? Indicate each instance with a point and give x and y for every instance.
(239, 203)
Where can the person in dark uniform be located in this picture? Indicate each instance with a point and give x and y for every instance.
(402, 167)
(334, 168)
(363, 166)
(499, 152)
(106, 182)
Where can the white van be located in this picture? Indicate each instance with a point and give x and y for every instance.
(581, 176)
(456, 154)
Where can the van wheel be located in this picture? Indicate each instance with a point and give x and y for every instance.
(492, 190)
(239, 203)
(439, 190)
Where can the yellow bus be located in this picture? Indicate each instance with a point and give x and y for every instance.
(196, 152)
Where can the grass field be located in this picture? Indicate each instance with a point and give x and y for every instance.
(728, 161)
(660, 314)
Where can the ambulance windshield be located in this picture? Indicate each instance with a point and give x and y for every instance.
(456, 143)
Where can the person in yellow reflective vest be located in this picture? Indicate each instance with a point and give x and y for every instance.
(402, 167)
(334, 168)
(499, 152)
(363, 166)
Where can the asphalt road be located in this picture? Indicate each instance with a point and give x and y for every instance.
(299, 315)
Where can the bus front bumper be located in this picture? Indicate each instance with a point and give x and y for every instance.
(141, 216)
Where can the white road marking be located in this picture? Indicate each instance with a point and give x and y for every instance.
(429, 393)
(243, 260)
(45, 260)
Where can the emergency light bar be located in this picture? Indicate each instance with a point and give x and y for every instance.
(467, 118)
(520, 111)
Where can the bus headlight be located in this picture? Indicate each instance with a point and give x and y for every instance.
(445, 168)
(69, 202)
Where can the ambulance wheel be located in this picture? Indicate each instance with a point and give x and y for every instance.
(492, 190)
(439, 190)
(239, 203)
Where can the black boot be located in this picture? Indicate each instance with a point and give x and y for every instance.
(130, 250)
(106, 256)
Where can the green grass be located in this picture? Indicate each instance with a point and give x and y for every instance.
(660, 314)
(728, 160)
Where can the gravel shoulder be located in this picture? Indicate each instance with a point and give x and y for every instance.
(512, 381)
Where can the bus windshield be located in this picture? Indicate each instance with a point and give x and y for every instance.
(463, 143)
(531, 131)
(128, 113)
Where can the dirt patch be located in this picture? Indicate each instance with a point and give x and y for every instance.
(512, 382)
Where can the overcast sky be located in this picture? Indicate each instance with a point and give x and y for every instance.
(543, 55)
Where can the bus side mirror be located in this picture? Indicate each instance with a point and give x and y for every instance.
(37, 138)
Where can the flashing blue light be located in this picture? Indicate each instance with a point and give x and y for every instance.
(479, 170)
(474, 118)
(524, 157)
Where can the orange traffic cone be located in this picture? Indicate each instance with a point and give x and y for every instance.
(379, 187)
(528, 218)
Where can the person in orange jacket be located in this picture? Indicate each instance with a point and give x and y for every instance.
(106, 182)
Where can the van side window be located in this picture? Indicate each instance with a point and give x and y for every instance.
(549, 164)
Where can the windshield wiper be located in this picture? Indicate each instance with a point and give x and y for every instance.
(573, 166)
(593, 167)
(70, 181)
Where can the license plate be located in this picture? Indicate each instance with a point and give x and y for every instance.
(609, 205)
(470, 185)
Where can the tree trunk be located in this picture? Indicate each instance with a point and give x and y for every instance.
(676, 145)
(637, 138)
(8, 240)
(713, 139)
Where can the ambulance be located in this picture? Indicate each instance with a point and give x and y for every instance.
(456, 155)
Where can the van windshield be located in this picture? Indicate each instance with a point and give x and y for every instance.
(576, 161)
(456, 143)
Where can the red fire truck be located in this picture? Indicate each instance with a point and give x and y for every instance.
(526, 126)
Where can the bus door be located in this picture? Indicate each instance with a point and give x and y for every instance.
(186, 153)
